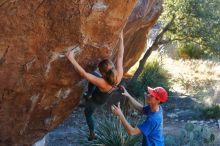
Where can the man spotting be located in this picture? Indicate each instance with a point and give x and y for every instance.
(152, 127)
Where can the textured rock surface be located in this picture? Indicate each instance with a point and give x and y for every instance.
(39, 87)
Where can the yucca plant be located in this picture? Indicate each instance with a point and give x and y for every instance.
(111, 133)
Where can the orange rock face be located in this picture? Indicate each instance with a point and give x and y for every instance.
(39, 86)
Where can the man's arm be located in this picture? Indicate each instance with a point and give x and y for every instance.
(130, 130)
(132, 100)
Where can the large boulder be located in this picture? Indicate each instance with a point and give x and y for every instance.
(39, 86)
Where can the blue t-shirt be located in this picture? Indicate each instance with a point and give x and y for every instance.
(152, 128)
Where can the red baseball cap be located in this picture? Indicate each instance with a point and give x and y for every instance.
(159, 93)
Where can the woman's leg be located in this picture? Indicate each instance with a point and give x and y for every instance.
(89, 111)
(90, 107)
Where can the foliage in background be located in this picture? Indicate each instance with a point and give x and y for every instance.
(191, 24)
(191, 135)
(153, 75)
(212, 112)
(111, 133)
(136, 89)
(190, 51)
(196, 22)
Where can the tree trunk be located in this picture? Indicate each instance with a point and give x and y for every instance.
(158, 41)
(143, 60)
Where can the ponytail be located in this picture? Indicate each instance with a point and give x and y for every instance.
(111, 77)
(108, 71)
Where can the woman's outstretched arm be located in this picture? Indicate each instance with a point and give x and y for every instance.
(120, 58)
(90, 77)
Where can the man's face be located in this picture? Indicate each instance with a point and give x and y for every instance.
(151, 100)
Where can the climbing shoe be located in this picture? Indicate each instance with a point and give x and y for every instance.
(92, 136)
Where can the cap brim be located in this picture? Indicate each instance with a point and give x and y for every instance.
(151, 91)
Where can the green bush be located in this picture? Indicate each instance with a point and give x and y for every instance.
(212, 112)
(136, 89)
(190, 51)
(153, 75)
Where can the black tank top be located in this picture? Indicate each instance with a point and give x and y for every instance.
(100, 97)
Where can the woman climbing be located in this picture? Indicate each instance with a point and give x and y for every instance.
(105, 83)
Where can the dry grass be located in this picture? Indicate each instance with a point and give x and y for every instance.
(198, 78)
